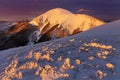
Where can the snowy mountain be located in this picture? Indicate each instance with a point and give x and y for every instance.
(55, 23)
(5, 25)
(91, 55)
(65, 20)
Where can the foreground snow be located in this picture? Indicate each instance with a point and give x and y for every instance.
(92, 55)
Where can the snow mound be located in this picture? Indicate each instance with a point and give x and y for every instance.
(67, 20)
(80, 57)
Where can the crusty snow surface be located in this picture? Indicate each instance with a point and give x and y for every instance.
(91, 55)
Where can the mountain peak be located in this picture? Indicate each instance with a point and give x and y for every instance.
(59, 10)
(68, 20)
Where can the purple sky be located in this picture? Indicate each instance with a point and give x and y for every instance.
(22, 9)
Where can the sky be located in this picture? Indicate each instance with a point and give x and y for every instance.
(11, 10)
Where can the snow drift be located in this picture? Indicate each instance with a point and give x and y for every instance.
(92, 55)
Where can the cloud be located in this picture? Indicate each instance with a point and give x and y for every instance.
(82, 10)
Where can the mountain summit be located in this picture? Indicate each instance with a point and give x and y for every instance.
(65, 20)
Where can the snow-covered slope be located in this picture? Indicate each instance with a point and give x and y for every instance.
(67, 20)
(111, 28)
(92, 55)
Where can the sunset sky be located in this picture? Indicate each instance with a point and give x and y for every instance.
(22, 9)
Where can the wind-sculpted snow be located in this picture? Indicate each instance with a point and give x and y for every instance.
(60, 60)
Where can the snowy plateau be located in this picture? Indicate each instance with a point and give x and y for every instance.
(90, 55)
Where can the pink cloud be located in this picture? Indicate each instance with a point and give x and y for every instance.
(82, 10)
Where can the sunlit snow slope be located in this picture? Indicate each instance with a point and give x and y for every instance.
(111, 28)
(67, 20)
